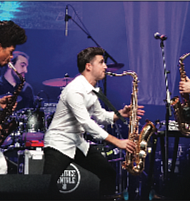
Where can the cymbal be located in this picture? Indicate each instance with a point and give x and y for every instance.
(19, 98)
(114, 67)
(58, 82)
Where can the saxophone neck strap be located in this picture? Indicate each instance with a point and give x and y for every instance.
(101, 95)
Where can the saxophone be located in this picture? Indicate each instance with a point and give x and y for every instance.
(7, 125)
(182, 110)
(135, 162)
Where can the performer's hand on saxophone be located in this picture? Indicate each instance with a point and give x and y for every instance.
(4, 101)
(184, 86)
(3, 104)
(126, 112)
(125, 144)
(128, 145)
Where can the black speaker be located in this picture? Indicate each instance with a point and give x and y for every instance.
(24, 187)
(76, 183)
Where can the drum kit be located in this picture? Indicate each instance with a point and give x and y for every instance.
(33, 122)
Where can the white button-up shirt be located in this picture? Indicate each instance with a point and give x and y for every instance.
(73, 117)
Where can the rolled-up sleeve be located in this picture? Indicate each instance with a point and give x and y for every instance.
(101, 115)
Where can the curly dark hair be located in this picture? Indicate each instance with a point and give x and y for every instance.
(11, 34)
(87, 55)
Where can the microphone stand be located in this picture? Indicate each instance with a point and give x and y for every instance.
(106, 55)
(168, 113)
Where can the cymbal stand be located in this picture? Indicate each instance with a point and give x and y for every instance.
(106, 55)
(119, 164)
(168, 113)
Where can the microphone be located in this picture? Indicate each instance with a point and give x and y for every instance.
(159, 36)
(66, 20)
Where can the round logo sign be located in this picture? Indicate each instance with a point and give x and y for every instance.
(69, 180)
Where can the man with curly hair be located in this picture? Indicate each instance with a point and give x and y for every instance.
(11, 35)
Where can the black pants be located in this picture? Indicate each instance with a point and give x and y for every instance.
(56, 162)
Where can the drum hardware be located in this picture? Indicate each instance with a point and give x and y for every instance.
(172, 125)
(29, 136)
(33, 120)
(49, 108)
(29, 133)
(34, 143)
(91, 143)
(31, 126)
(38, 102)
(40, 98)
(12, 140)
(49, 119)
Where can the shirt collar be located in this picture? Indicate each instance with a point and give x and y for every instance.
(87, 85)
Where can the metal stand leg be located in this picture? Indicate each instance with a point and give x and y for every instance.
(151, 167)
(174, 155)
(126, 191)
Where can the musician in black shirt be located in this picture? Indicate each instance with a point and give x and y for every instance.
(9, 81)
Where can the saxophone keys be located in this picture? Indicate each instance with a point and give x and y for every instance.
(143, 145)
(124, 165)
(142, 154)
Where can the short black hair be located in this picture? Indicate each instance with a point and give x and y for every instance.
(11, 34)
(14, 60)
(87, 55)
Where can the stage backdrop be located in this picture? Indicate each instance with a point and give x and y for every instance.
(124, 29)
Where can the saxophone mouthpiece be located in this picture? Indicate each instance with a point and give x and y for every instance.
(10, 65)
(110, 73)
